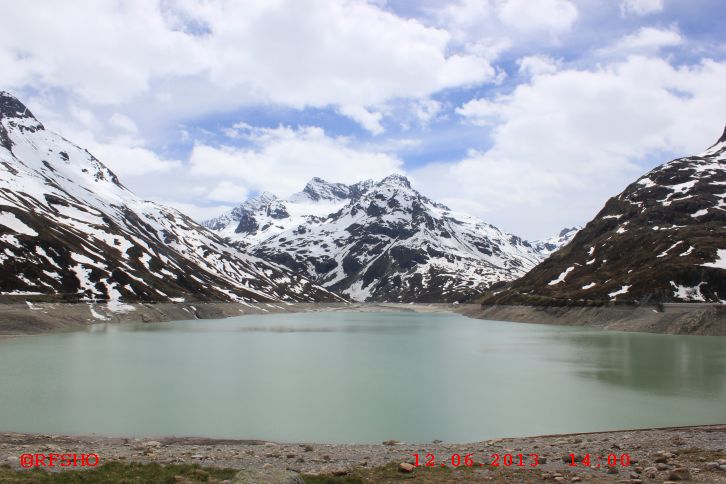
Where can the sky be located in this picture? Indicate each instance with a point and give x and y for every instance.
(527, 114)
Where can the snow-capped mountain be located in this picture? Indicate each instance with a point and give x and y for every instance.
(380, 241)
(556, 241)
(70, 230)
(663, 239)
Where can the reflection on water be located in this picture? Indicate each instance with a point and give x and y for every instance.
(356, 377)
(659, 364)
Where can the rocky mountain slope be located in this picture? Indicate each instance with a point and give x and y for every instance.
(663, 239)
(70, 230)
(381, 241)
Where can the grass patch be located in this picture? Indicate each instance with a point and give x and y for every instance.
(135, 473)
(120, 472)
(430, 475)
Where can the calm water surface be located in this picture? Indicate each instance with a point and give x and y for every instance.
(357, 377)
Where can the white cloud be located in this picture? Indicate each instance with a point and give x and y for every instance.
(640, 7)
(198, 213)
(283, 159)
(488, 28)
(649, 39)
(228, 192)
(426, 110)
(123, 123)
(578, 135)
(190, 54)
(127, 160)
(115, 142)
(482, 112)
(369, 120)
(534, 65)
(543, 15)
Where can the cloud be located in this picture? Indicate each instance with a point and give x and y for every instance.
(649, 39)
(640, 7)
(537, 64)
(369, 120)
(489, 28)
(198, 213)
(127, 160)
(113, 139)
(292, 52)
(228, 192)
(426, 110)
(543, 15)
(123, 123)
(283, 159)
(579, 134)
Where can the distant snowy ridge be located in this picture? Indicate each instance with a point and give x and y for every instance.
(381, 241)
(70, 229)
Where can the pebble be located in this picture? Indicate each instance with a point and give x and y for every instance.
(576, 479)
(679, 474)
(662, 467)
(406, 467)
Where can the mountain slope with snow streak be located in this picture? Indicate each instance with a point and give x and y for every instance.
(70, 230)
(663, 239)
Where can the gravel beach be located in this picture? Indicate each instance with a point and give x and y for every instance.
(697, 454)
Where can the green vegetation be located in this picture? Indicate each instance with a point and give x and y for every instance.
(434, 475)
(120, 472)
(135, 473)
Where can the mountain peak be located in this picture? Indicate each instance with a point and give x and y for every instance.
(723, 137)
(11, 107)
(396, 179)
(17, 114)
(318, 189)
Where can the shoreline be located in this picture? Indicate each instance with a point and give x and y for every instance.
(694, 448)
(22, 319)
(681, 319)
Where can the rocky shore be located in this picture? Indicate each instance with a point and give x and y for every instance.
(696, 454)
(20, 318)
(685, 318)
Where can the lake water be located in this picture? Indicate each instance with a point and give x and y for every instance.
(357, 377)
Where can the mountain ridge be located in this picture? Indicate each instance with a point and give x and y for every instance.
(69, 229)
(662, 239)
(381, 241)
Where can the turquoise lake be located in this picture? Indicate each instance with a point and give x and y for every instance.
(359, 377)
